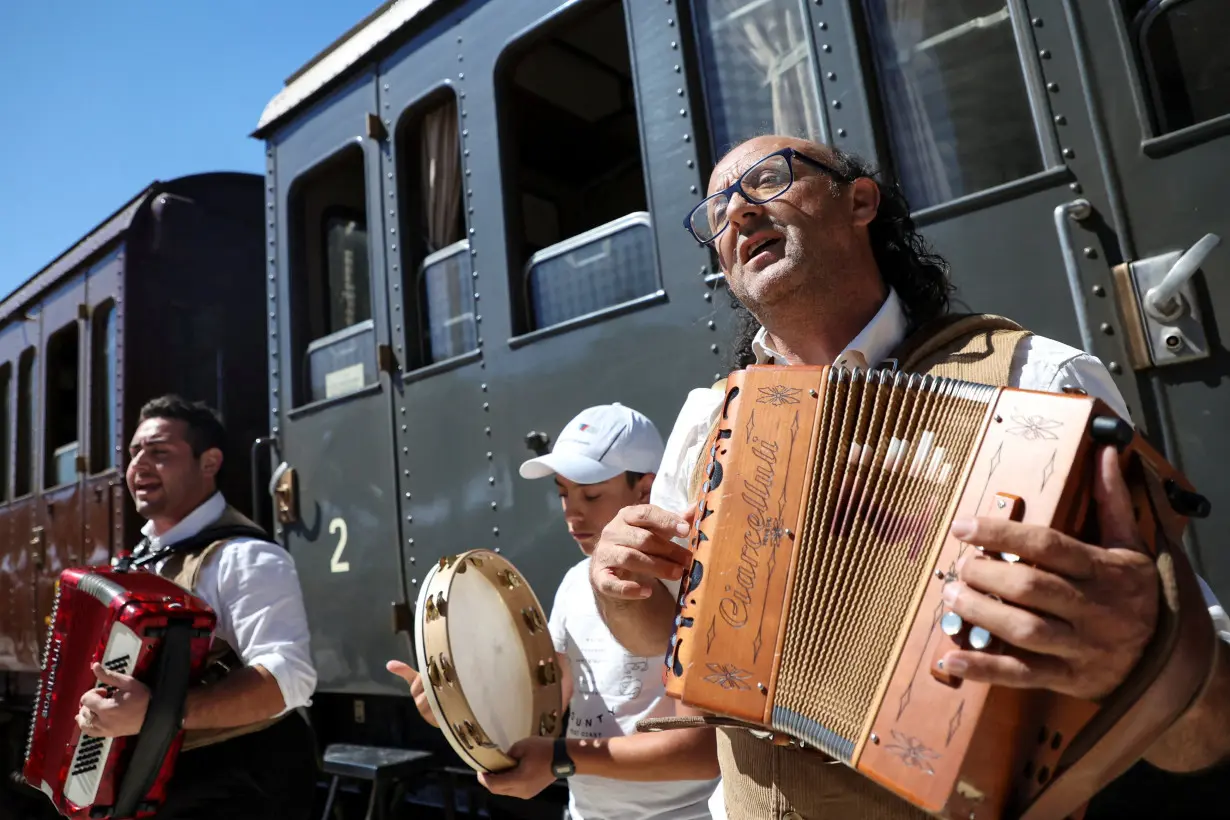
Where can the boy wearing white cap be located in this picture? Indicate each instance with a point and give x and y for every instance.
(604, 460)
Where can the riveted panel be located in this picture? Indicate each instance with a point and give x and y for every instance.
(330, 403)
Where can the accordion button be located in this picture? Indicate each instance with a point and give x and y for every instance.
(792, 815)
(979, 638)
(951, 623)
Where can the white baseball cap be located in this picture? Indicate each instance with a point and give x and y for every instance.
(600, 443)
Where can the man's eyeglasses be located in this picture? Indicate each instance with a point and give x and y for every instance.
(768, 179)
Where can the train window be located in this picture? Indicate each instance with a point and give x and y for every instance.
(578, 233)
(1186, 67)
(6, 397)
(102, 385)
(443, 320)
(60, 442)
(332, 329)
(941, 66)
(23, 482)
(758, 68)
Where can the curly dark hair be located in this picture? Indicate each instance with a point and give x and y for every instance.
(205, 428)
(906, 261)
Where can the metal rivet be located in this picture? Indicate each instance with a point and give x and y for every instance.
(714, 348)
(1075, 187)
(841, 132)
(712, 324)
(831, 75)
(875, 738)
(1037, 21)
(493, 504)
(677, 69)
(693, 189)
(939, 573)
(837, 103)
(1052, 87)
(1060, 119)
(1098, 290)
(708, 297)
(683, 112)
(495, 530)
(1069, 153)
(1091, 253)
(826, 48)
(687, 137)
(824, 26)
(679, 91)
(1115, 368)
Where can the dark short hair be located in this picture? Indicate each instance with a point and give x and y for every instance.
(205, 428)
(633, 477)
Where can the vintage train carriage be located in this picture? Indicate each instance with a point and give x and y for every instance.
(166, 295)
(476, 231)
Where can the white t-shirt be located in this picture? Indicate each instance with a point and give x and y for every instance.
(612, 690)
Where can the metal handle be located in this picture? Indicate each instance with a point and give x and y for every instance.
(1163, 301)
(1079, 210)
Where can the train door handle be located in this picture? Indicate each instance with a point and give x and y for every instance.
(1158, 307)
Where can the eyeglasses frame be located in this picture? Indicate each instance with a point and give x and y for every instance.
(789, 154)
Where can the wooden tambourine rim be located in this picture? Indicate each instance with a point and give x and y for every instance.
(432, 641)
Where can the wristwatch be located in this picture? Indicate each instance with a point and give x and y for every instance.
(561, 761)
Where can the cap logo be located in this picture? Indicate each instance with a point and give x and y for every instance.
(584, 426)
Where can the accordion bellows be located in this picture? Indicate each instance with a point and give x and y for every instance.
(812, 607)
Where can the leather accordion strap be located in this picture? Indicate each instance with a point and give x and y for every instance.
(663, 724)
(1171, 675)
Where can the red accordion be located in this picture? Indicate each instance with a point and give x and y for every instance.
(134, 623)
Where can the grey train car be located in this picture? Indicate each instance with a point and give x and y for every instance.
(475, 227)
(165, 295)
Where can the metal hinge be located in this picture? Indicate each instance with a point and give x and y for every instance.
(376, 129)
(385, 359)
(403, 620)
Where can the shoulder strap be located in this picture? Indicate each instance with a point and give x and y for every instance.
(975, 347)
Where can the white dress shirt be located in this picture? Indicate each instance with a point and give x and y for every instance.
(254, 589)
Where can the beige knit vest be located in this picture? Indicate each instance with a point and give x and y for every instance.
(185, 569)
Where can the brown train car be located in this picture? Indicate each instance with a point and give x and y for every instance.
(166, 295)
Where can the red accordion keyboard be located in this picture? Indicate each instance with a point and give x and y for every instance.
(134, 623)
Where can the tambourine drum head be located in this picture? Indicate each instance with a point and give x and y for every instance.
(486, 656)
(490, 660)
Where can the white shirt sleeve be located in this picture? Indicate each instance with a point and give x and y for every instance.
(261, 615)
(683, 446)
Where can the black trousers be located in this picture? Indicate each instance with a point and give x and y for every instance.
(266, 774)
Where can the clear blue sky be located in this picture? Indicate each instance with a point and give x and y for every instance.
(98, 99)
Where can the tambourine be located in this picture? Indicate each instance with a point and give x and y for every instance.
(486, 657)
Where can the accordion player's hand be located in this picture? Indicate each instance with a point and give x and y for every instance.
(1076, 616)
(116, 708)
(636, 547)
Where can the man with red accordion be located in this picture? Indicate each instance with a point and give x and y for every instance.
(247, 752)
(826, 261)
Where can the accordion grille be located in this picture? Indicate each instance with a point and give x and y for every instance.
(891, 453)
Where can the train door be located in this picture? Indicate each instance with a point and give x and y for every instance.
(103, 486)
(1163, 92)
(58, 522)
(18, 561)
(330, 395)
(442, 423)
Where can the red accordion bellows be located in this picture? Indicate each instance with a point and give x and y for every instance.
(134, 623)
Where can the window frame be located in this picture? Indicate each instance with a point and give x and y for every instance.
(416, 340)
(296, 279)
(515, 48)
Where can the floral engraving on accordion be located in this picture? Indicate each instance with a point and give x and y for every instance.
(913, 752)
(779, 394)
(1034, 428)
(728, 676)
